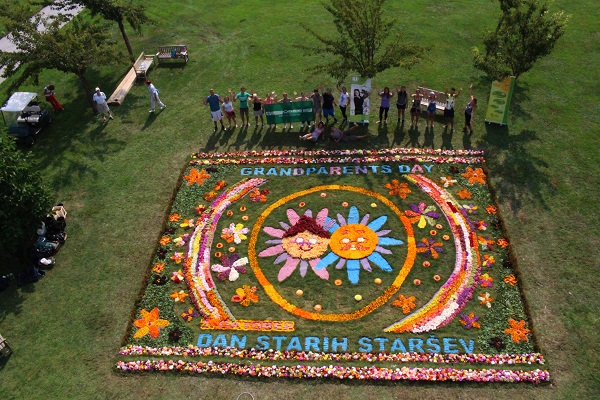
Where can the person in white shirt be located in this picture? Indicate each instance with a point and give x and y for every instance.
(344, 100)
(101, 105)
(449, 109)
(154, 99)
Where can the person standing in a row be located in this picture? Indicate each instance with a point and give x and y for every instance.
(401, 101)
(214, 102)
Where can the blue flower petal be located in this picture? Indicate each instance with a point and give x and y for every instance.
(326, 261)
(377, 223)
(353, 216)
(380, 261)
(388, 241)
(353, 267)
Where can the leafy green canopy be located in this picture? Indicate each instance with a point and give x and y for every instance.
(365, 42)
(526, 31)
(24, 199)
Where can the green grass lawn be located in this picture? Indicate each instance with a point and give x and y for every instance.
(116, 181)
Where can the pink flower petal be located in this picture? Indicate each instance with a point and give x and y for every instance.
(274, 231)
(322, 216)
(289, 267)
(323, 273)
(292, 216)
(271, 251)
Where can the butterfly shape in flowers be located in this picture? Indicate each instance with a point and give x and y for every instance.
(231, 267)
(355, 243)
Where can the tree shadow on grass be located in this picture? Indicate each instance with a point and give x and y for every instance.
(524, 178)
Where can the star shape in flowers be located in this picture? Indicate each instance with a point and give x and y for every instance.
(179, 297)
(397, 188)
(517, 330)
(406, 303)
(475, 176)
(196, 176)
(149, 324)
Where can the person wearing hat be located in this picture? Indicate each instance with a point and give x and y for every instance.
(101, 105)
(154, 97)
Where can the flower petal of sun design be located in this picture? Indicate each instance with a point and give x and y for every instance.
(356, 243)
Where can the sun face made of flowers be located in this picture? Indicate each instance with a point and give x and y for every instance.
(356, 243)
(300, 243)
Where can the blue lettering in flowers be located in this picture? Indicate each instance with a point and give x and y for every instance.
(364, 344)
(337, 170)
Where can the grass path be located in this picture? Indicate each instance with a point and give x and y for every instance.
(116, 181)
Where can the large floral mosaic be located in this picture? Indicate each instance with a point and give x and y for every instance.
(353, 264)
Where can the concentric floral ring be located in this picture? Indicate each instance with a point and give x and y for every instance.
(378, 302)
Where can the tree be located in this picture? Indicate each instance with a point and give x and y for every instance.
(119, 11)
(25, 201)
(365, 42)
(77, 47)
(526, 31)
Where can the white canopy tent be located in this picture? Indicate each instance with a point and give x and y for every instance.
(17, 102)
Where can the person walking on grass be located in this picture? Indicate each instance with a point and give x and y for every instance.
(214, 102)
(99, 99)
(49, 95)
(227, 107)
(384, 108)
(344, 101)
(415, 110)
(154, 99)
(431, 108)
(401, 101)
(243, 97)
(470, 112)
(449, 108)
(329, 106)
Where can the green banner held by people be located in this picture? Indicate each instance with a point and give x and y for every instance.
(285, 113)
(500, 95)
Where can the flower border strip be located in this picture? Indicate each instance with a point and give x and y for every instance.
(198, 278)
(361, 373)
(312, 153)
(337, 160)
(273, 355)
(454, 295)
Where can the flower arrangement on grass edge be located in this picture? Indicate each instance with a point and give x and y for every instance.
(339, 372)
(473, 358)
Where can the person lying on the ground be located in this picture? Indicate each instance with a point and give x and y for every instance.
(338, 135)
(314, 135)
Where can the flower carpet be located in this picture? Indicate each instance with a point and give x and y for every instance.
(356, 264)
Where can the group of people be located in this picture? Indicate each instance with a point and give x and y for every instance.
(417, 98)
(323, 106)
(324, 103)
(99, 99)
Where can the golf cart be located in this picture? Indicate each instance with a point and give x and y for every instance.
(25, 117)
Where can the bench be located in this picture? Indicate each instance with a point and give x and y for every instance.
(440, 101)
(118, 96)
(176, 52)
(142, 65)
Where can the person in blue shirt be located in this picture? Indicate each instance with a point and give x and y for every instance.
(214, 102)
